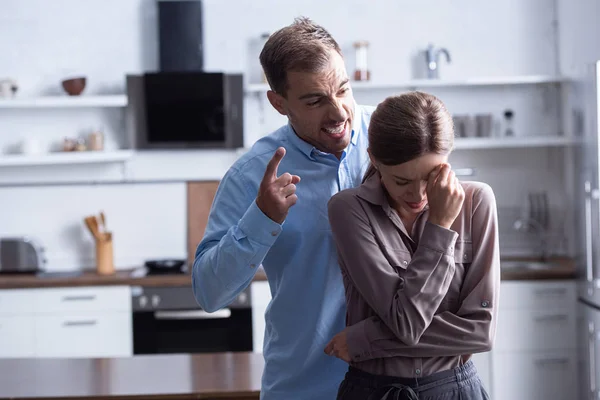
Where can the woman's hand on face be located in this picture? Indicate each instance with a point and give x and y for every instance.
(445, 196)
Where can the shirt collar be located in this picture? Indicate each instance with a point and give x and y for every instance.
(372, 190)
(308, 149)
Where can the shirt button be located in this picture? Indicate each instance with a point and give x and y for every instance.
(465, 256)
(252, 265)
(484, 304)
(418, 371)
(274, 233)
(405, 262)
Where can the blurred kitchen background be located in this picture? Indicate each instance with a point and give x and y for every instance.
(515, 74)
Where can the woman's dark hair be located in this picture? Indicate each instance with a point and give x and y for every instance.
(409, 125)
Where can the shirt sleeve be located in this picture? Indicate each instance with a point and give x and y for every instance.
(473, 328)
(406, 304)
(238, 236)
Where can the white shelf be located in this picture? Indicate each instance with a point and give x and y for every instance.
(65, 101)
(432, 83)
(84, 157)
(513, 142)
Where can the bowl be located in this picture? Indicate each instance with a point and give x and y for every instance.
(74, 86)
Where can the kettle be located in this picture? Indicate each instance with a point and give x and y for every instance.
(8, 88)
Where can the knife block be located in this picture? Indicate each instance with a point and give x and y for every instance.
(104, 255)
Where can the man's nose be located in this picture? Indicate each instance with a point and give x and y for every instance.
(337, 111)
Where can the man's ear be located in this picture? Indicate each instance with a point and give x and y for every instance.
(277, 101)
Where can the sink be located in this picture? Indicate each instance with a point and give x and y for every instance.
(528, 265)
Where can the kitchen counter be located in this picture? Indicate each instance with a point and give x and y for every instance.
(232, 376)
(91, 278)
(566, 270)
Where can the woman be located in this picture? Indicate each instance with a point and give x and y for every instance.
(419, 255)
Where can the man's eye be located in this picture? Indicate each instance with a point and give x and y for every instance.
(313, 103)
(401, 183)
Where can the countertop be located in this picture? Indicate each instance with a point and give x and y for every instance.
(159, 377)
(566, 270)
(91, 278)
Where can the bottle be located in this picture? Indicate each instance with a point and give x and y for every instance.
(508, 116)
(361, 72)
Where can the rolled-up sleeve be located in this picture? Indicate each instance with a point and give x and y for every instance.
(406, 304)
(472, 328)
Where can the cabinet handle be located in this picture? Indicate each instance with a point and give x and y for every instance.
(551, 291)
(550, 318)
(552, 361)
(80, 323)
(79, 298)
(592, 350)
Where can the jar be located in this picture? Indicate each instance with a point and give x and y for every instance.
(80, 145)
(96, 141)
(361, 72)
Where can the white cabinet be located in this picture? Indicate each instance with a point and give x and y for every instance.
(66, 322)
(17, 324)
(535, 351)
(260, 296)
(97, 334)
(483, 363)
(17, 337)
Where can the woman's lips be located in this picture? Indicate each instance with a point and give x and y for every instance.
(416, 205)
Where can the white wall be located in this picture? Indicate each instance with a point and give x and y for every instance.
(42, 42)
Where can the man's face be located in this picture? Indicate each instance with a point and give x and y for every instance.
(319, 106)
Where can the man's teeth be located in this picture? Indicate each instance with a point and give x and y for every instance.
(336, 130)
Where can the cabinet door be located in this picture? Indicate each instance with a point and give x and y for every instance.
(80, 299)
(92, 334)
(547, 329)
(17, 336)
(261, 296)
(535, 375)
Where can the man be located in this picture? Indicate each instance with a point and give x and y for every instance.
(271, 209)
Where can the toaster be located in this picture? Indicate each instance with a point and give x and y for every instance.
(21, 254)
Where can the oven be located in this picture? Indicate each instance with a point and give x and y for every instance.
(168, 320)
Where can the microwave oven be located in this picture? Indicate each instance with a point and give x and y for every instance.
(185, 110)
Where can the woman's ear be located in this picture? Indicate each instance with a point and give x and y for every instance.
(373, 162)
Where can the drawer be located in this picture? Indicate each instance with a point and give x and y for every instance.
(18, 301)
(536, 330)
(541, 376)
(17, 337)
(64, 300)
(84, 335)
(538, 295)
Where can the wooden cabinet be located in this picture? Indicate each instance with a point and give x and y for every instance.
(66, 322)
(535, 351)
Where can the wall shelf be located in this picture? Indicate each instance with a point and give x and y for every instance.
(84, 157)
(429, 83)
(65, 101)
(513, 142)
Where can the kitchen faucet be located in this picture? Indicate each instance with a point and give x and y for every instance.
(432, 56)
(522, 225)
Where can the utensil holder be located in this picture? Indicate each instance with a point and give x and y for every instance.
(104, 255)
